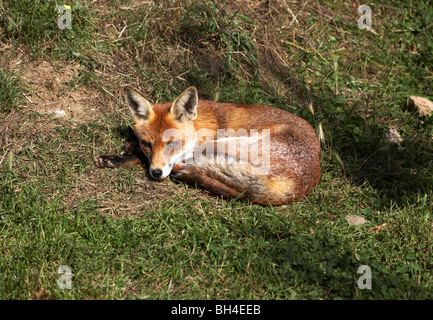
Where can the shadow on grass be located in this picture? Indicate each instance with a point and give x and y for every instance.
(325, 266)
(366, 155)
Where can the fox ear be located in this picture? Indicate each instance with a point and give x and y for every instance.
(141, 109)
(185, 106)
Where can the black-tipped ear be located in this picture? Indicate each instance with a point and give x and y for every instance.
(185, 106)
(141, 109)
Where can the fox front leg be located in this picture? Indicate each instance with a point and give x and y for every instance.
(116, 161)
(133, 157)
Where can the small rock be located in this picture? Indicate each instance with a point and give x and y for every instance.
(393, 136)
(424, 105)
(59, 113)
(354, 220)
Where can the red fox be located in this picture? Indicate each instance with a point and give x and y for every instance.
(256, 152)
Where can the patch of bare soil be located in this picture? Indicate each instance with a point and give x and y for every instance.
(52, 90)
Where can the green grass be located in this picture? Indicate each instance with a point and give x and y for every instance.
(11, 91)
(125, 237)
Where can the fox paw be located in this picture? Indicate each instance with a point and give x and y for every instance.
(106, 162)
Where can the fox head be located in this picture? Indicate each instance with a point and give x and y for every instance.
(161, 129)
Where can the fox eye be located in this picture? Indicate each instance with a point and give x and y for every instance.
(146, 144)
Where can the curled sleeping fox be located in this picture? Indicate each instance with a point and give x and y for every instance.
(256, 152)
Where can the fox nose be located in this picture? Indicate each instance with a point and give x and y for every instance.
(157, 173)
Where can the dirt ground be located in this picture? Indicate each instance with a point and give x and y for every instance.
(52, 90)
